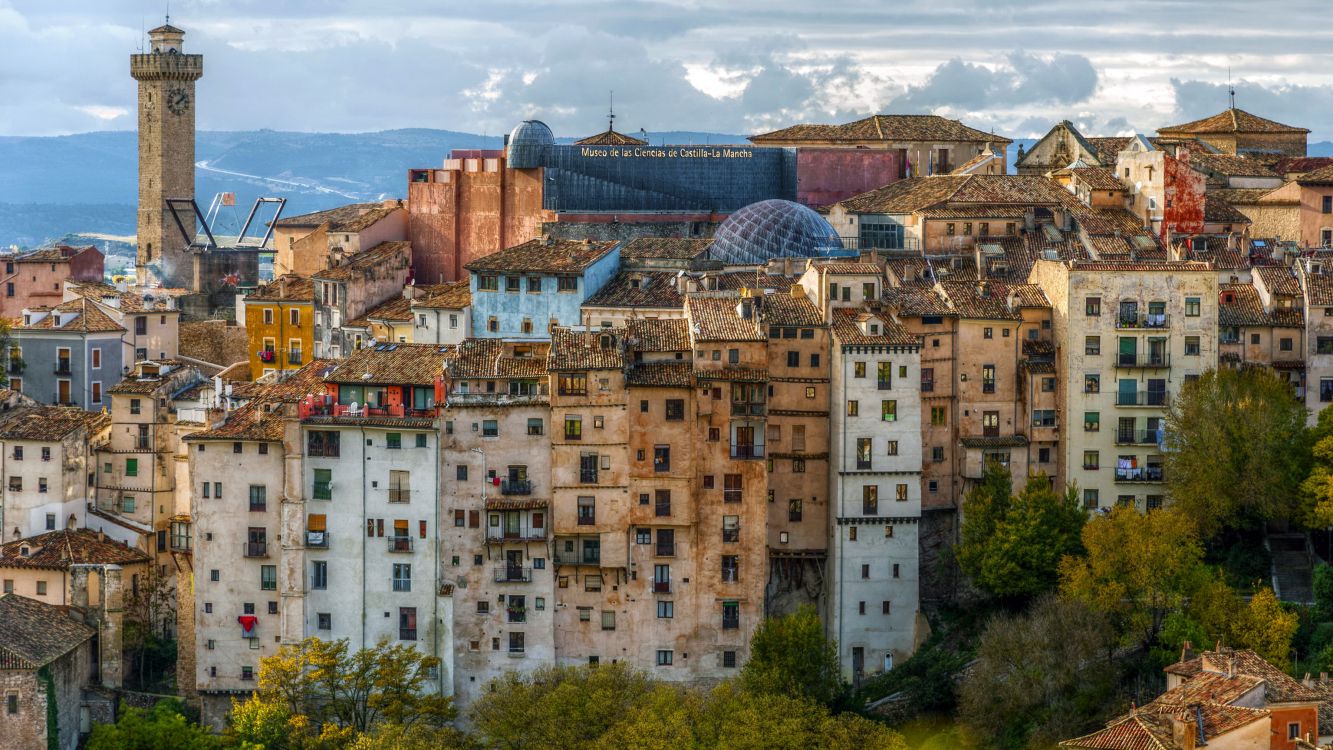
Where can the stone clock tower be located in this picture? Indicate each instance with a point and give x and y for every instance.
(166, 79)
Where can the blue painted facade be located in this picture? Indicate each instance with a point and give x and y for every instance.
(42, 374)
(511, 309)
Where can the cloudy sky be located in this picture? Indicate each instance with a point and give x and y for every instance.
(734, 66)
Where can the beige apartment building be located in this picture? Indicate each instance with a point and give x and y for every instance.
(308, 243)
(1127, 336)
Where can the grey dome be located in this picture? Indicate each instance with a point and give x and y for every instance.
(527, 142)
(771, 229)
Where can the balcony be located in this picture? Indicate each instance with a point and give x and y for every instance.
(1155, 361)
(399, 543)
(1142, 321)
(256, 549)
(62, 368)
(884, 385)
(666, 549)
(316, 408)
(317, 539)
(516, 487)
(512, 574)
(530, 535)
(743, 409)
(661, 587)
(1154, 399)
(1136, 437)
(400, 495)
(747, 450)
(516, 614)
(1142, 474)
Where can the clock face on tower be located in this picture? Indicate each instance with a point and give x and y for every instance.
(178, 101)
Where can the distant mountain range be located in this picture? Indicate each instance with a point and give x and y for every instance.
(86, 183)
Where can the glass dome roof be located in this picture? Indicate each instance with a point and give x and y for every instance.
(772, 229)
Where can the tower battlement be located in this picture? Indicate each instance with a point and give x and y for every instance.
(168, 67)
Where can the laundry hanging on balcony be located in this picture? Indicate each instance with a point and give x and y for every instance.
(248, 623)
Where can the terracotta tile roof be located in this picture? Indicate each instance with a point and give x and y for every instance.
(639, 289)
(1321, 176)
(452, 296)
(850, 269)
(177, 376)
(350, 218)
(1028, 295)
(390, 254)
(917, 299)
(904, 196)
(1010, 188)
(611, 138)
(1174, 266)
(1319, 290)
(758, 279)
(740, 374)
(492, 358)
(1098, 178)
(1231, 121)
(586, 350)
(975, 211)
(287, 288)
(390, 364)
(1209, 672)
(884, 128)
(309, 379)
(660, 374)
(54, 254)
(88, 317)
(1135, 731)
(250, 422)
(660, 335)
(1219, 252)
(848, 333)
(1280, 280)
(37, 633)
(1300, 164)
(906, 270)
(994, 441)
(49, 422)
(788, 309)
(1216, 210)
(148, 300)
(1239, 196)
(215, 341)
(1229, 166)
(669, 248)
(395, 309)
(714, 318)
(1324, 688)
(969, 301)
(1109, 148)
(57, 550)
(554, 256)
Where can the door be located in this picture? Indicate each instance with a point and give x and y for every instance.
(1128, 394)
(858, 665)
(514, 564)
(1129, 351)
(1129, 312)
(1157, 352)
(62, 392)
(990, 424)
(512, 524)
(744, 442)
(1157, 392)
(888, 662)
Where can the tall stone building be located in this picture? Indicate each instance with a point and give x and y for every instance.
(166, 79)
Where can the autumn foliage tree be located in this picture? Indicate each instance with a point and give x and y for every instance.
(791, 656)
(1238, 449)
(1012, 544)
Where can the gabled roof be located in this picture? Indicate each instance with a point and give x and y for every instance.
(884, 128)
(586, 350)
(655, 289)
(1073, 131)
(918, 193)
(982, 301)
(36, 633)
(1231, 121)
(715, 318)
(1228, 165)
(49, 422)
(1217, 210)
(57, 550)
(904, 196)
(1098, 178)
(660, 335)
(493, 358)
(666, 248)
(88, 317)
(549, 256)
(791, 309)
(847, 331)
(450, 296)
(1321, 176)
(287, 288)
(610, 137)
(350, 218)
(390, 364)
(54, 254)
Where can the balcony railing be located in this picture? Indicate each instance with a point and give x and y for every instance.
(323, 490)
(1159, 360)
(1142, 398)
(666, 549)
(661, 508)
(1136, 437)
(661, 587)
(529, 535)
(512, 574)
(400, 495)
(407, 634)
(317, 539)
(400, 543)
(516, 487)
(587, 476)
(294, 358)
(1140, 474)
(731, 622)
(62, 368)
(1149, 321)
(256, 549)
(306, 410)
(746, 450)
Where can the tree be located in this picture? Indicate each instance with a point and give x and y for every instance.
(1267, 629)
(1323, 592)
(1238, 449)
(1041, 676)
(1139, 568)
(1012, 545)
(163, 727)
(318, 694)
(1317, 489)
(149, 602)
(790, 656)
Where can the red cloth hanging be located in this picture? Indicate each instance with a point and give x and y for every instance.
(248, 623)
(495, 481)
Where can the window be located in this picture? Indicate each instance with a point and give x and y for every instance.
(1090, 499)
(665, 658)
(134, 406)
(1043, 417)
(268, 577)
(1192, 346)
(927, 379)
(490, 428)
(407, 624)
(937, 453)
(268, 321)
(567, 283)
(988, 333)
(1092, 306)
(608, 620)
(662, 503)
(853, 408)
(1284, 345)
(573, 427)
(863, 451)
(1048, 385)
(572, 384)
(892, 449)
(810, 392)
(675, 409)
(794, 510)
(1091, 460)
(393, 440)
(662, 458)
(402, 577)
(1092, 383)
(732, 488)
(884, 376)
(322, 443)
(1092, 345)
(587, 511)
(1294, 727)
(322, 488)
(324, 620)
(858, 369)
(1326, 204)
(319, 575)
(870, 500)
(939, 416)
(258, 498)
(1091, 421)
(793, 359)
(988, 378)
(1192, 307)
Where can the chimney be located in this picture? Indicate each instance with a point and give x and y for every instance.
(1184, 732)
(1186, 651)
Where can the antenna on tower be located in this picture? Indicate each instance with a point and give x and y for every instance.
(1231, 90)
(611, 113)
